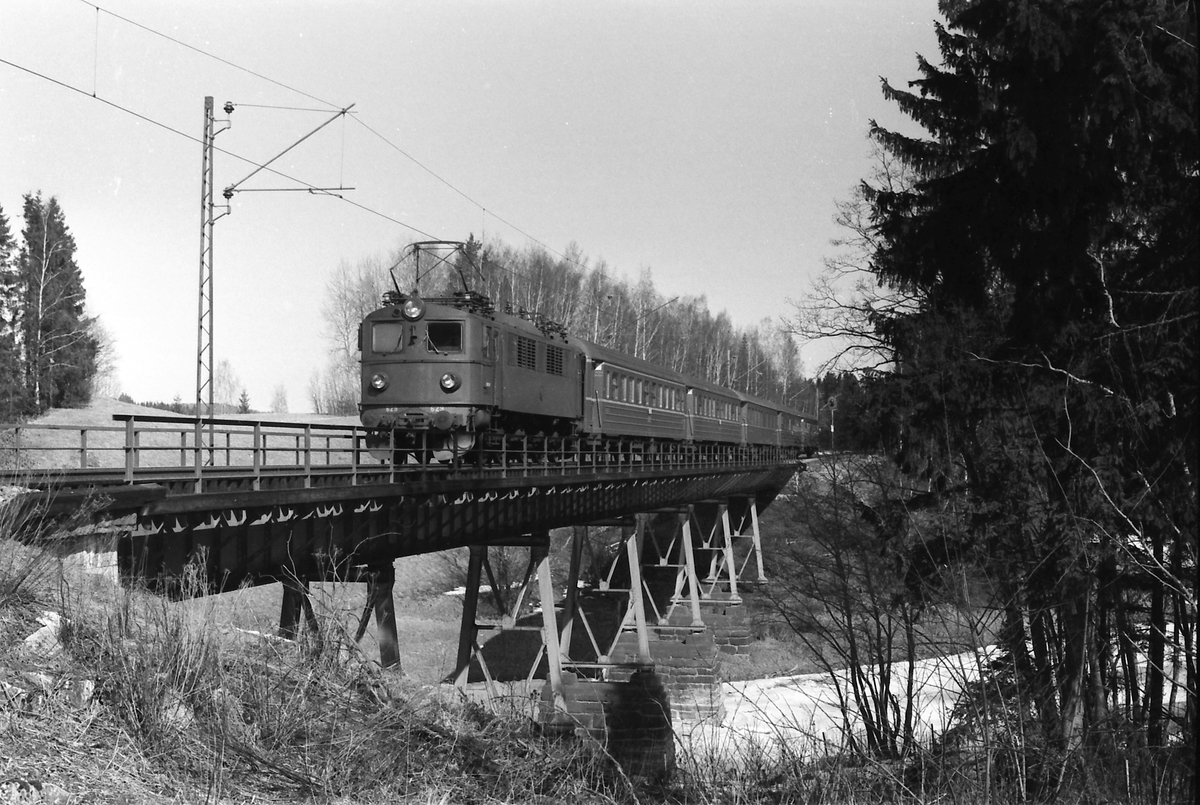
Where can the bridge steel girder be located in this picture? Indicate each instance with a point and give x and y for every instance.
(266, 536)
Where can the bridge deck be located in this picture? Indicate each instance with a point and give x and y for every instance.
(253, 501)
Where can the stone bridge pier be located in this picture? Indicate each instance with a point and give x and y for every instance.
(637, 649)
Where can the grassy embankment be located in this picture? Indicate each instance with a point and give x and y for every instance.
(139, 699)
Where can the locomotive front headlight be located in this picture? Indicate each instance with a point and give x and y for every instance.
(413, 308)
(379, 381)
(450, 382)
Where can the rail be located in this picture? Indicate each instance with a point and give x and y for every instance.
(200, 455)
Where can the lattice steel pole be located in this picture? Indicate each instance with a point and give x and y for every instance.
(204, 326)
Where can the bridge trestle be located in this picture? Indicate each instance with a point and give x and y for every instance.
(660, 605)
(617, 657)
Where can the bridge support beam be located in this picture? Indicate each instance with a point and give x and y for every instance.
(551, 639)
(381, 582)
(468, 630)
(295, 601)
(668, 599)
(736, 567)
(646, 638)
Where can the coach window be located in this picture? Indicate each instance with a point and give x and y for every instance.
(444, 337)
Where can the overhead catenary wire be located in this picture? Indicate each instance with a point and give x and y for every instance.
(96, 53)
(260, 166)
(334, 107)
(202, 52)
(306, 185)
(312, 189)
(484, 209)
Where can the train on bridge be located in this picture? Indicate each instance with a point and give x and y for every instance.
(442, 376)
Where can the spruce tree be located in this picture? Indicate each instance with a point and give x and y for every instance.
(56, 341)
(13, 400)
(1050, 369)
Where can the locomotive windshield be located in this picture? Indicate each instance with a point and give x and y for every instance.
(387, 336)
(445, 337)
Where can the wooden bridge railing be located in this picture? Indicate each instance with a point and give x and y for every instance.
(198, 455)
(145, 442)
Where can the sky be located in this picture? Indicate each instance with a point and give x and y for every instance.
(705, 141)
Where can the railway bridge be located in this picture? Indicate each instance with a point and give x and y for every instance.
(252, 502)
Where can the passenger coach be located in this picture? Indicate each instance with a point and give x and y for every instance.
(440, 374)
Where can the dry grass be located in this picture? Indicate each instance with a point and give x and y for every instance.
(194, 701)
(188, 708)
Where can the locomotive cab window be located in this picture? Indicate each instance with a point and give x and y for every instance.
(444, 337)
(387, 336)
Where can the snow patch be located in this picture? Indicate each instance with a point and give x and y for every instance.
(803, 714)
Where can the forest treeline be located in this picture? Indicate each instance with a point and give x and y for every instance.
(1031, 290)
(679, 332)
(50, 349)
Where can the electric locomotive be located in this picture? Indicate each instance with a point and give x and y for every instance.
(440, 374)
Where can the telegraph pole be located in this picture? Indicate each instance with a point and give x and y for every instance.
(832, 414)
